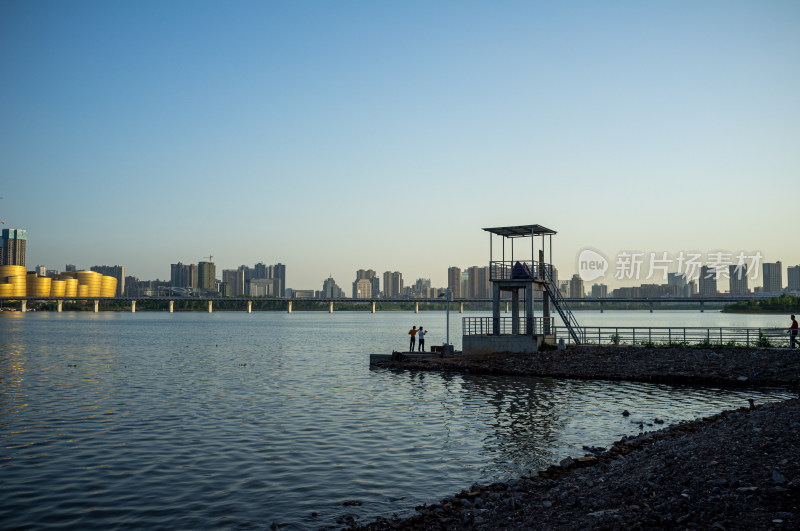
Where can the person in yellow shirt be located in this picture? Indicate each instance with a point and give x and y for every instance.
(413, 334)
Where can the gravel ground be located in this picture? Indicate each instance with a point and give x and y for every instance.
(736, 470)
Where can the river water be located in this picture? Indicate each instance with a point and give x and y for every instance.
(236, 420)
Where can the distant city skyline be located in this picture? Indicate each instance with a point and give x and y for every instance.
(333, 137)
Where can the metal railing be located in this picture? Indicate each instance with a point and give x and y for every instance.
(473, 326)
(509, 270)
(678, 336)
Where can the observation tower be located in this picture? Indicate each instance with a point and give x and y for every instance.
(521, 272)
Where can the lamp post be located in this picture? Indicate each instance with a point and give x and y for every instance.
(447, 350)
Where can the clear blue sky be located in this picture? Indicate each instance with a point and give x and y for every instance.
(333, 136)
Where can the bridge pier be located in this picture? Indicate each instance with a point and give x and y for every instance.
(289, 309)
(24, 306)
(461, 308)
(373, 306)
(96, 306)
(701, 307)
(59, 303)
(171, 306)
(601, 306)
(249, 306)
(133, 306)
(210, 306)
(651, 306)
(330, 307)
(416, 307)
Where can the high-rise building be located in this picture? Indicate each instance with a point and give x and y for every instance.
(576, 287)
(279, 274)
(599, 291)
(478, 286)
(40, 270)
(422, 287)
(183, 275)
(773, 277)
(708, 280)
(13, 250)
(679, 280)
(235, 280)
(372, 277)
(116, 271)
(738, 279)
(69, 268)
(392, 284)
(793, 278)
(206, 275)
(330, 290)
(454, 281)
(362, 289)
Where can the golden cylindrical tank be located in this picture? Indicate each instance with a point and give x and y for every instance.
(30, 284)
(41, 287)
(58, 288)
(6, 290)
(20, 285)
(83, 290)
(108, 286)
(71, 289)
(91, 279)
(11, 271)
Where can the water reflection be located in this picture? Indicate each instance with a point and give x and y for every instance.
(177, 420)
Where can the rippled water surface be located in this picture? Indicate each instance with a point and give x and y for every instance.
(223, 420)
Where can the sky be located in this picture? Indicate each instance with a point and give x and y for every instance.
(337, 136)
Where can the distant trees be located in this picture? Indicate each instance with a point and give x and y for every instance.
(783, 304)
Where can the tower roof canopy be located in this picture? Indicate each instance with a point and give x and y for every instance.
(520, 231)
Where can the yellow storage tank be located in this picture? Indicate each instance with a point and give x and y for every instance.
(11, 271)
(42, 287)
(58, 288)
(91, 279)
(108, 286)
(83, 290)
(30, 284)
(71, 288)
(6, 290)
(20, 285)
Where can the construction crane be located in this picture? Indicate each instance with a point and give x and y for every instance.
(210, 257)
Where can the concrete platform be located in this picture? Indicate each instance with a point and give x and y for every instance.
(377, 358)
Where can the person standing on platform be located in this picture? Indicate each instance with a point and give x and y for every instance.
(793, 332)
(421, 336)
(413, 334)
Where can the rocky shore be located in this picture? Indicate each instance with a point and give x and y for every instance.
(735, 470)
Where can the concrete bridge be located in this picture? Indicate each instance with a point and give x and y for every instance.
(247, 302)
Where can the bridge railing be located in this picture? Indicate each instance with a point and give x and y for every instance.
(474, 326)
(679, 336)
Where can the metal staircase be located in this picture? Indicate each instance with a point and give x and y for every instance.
(562, 308)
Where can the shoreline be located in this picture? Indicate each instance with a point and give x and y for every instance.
(738, 469)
